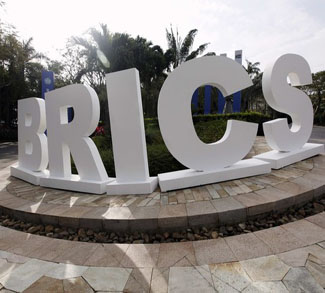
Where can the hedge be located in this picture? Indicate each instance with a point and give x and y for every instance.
(8, 134)
(209, 128)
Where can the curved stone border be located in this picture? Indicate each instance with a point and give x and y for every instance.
(228, 210)
(275, 240)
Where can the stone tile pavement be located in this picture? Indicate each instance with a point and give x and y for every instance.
(281, 259)
(288, 258)
(223, 203)
(27, 191)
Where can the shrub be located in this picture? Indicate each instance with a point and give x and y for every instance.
(209, 128)
(160, 160)
(319, 119)
(8, 134)
(102, 142)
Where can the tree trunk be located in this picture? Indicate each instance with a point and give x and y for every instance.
(228, 105)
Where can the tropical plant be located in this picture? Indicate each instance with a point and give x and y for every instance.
(252, 97)
(180, 50)
(252, 68)
(106, 52)
(20, 72)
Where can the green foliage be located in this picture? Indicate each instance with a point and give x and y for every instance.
(8, 134)
(316, 91)
(108, 52)
(319, 119)
(102, 142)
(179, 50)
(160, 160)
(210, 131)
(108, 161)
(209, 128)
(20, 73)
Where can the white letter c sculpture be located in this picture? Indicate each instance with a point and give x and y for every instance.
(175, 117)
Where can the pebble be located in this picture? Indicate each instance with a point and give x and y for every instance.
(242, 226)
(166, 235)
(214, 235)
(90, 232)
(33, 229)
(177, 235)
(138, 241)
(190, 236)
(49, 228)
(81, 233)
(318, 208)
(146, 238)
(64, 234)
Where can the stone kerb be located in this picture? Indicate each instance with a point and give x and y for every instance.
(274, 241)
(299, 183)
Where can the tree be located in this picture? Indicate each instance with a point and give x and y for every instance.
(179, 50)
(20, 72)
(106, 52)
(316, 91)
(252, 68)
(254, 92)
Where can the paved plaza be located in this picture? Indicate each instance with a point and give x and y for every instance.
(286, 258)
(290, 258)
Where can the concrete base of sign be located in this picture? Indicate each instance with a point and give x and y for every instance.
(280, 159)
(74, 183)
(145, 187)
(188, 178)
(27, 175)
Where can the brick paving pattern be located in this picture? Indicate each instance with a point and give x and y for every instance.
(287, 258)
(272, 261)
(29, 192)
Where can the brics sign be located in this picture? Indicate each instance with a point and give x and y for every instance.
(45, 160)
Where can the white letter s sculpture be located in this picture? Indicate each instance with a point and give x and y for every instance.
(289, 144)
(284, 98)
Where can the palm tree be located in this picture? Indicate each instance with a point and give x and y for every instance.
(179, 50)
(253, 93)
(252, 69)
(108, 52)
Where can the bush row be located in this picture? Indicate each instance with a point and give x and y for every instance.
(209, 128)
(254, 117)
(8, 134)
(319, 119)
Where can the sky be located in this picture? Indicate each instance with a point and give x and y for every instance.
(264, 30)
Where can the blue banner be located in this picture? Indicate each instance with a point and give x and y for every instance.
(237, 102)
(207, 99)
(195, 100)
(47, 82)
(221, 102)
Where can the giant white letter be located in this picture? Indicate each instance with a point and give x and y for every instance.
(177, 129)
(73, 137)
(175, 116)
(32, 142)
(288, 144)
(128, 137)
(286, 99)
